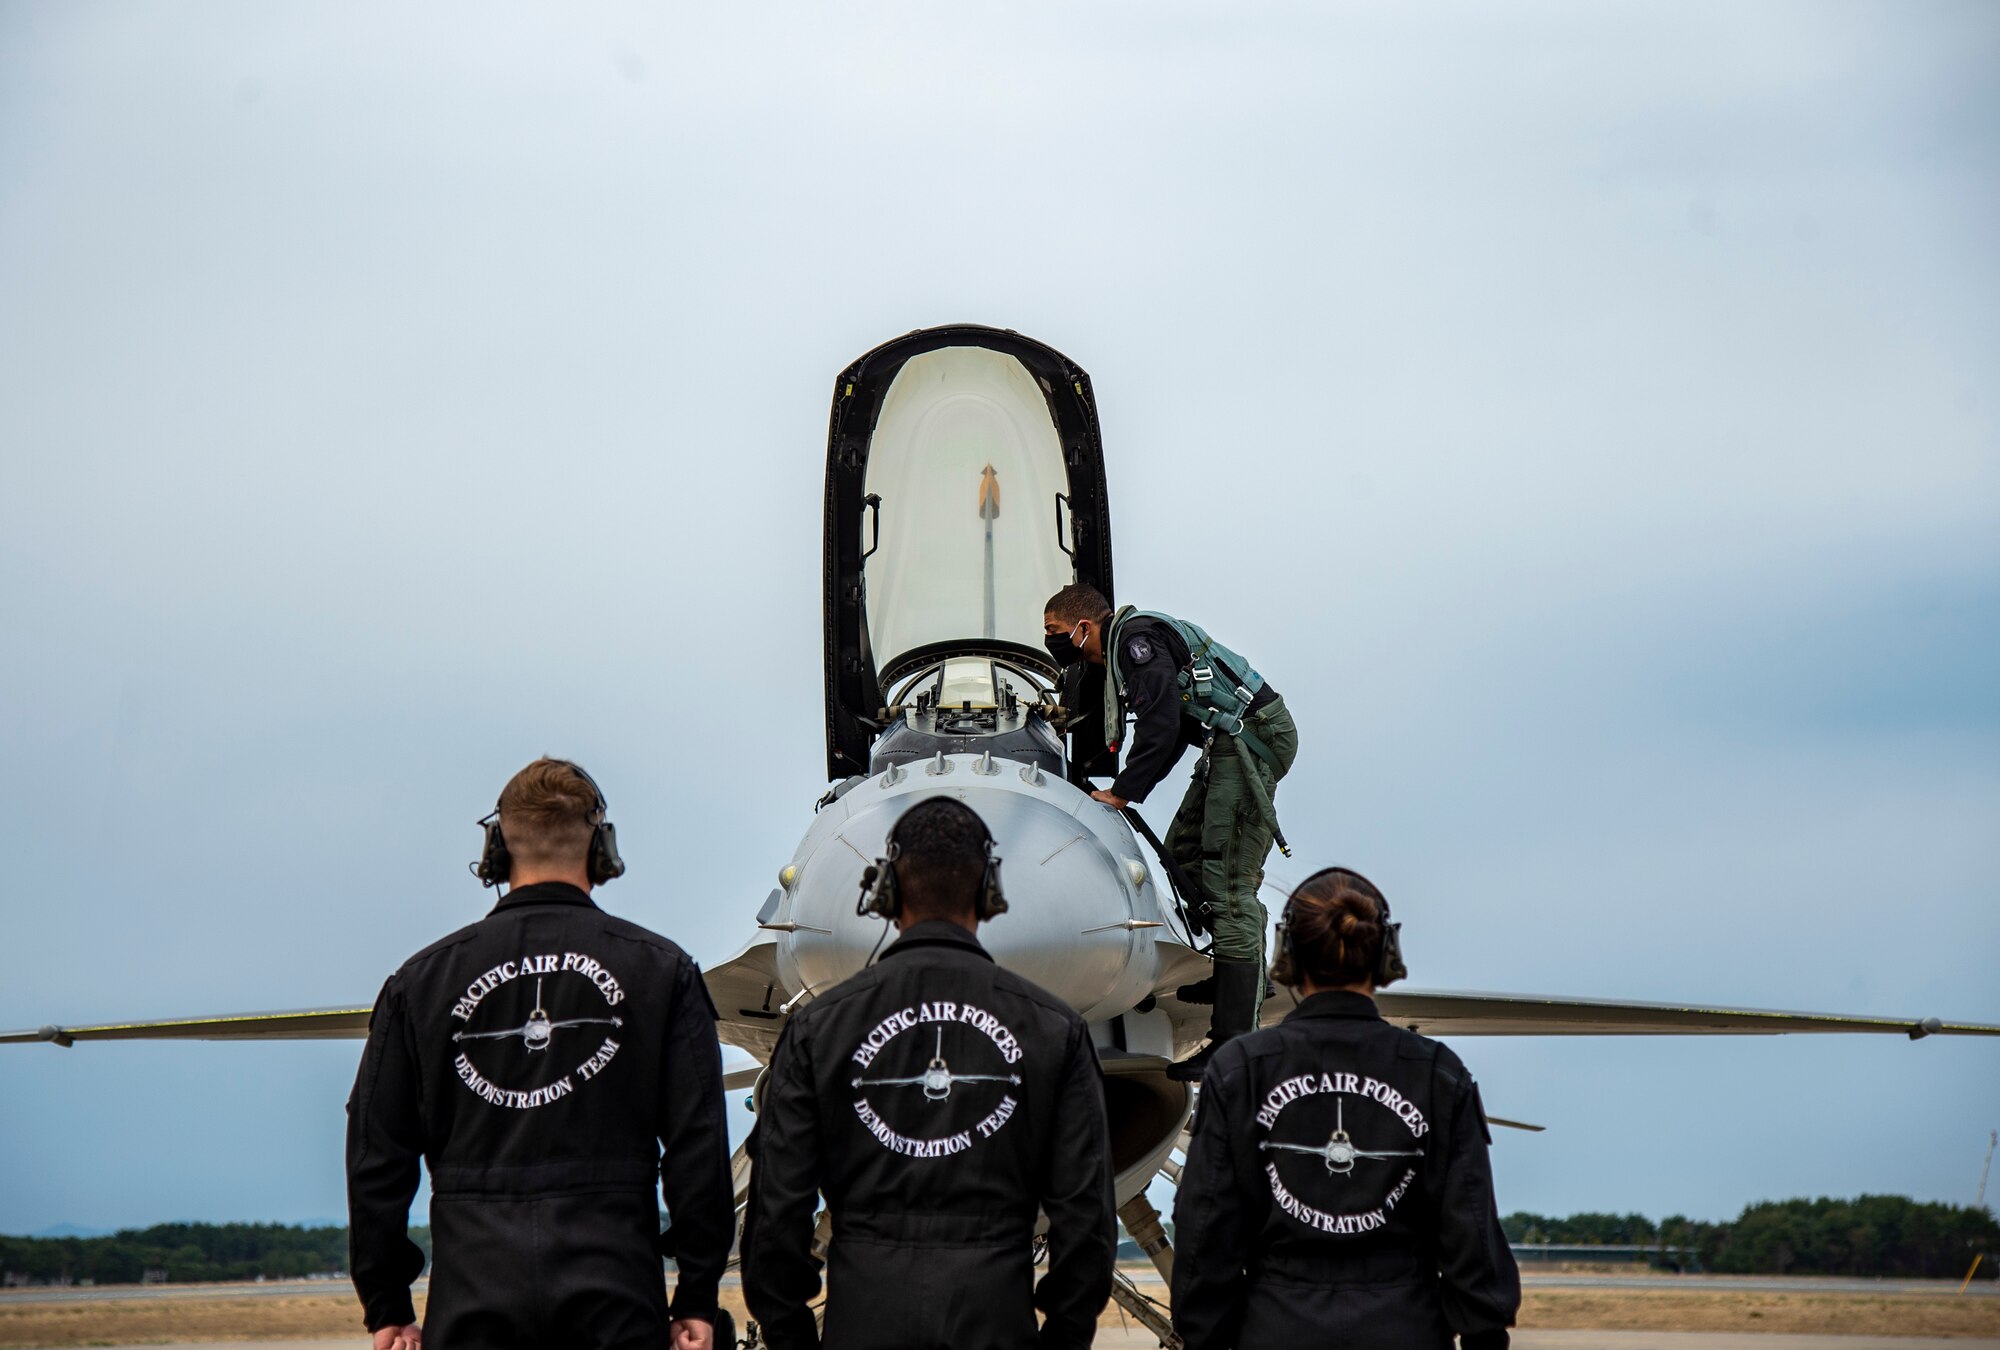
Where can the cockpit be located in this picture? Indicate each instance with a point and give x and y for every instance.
(970, 705)
(965, 485)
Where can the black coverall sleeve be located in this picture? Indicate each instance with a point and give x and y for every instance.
(694, 1148)
(1479, 1282)
(385, 1143)
(1083, 1227)
(780, 1276)
(1217, 1210)
(1152, 691)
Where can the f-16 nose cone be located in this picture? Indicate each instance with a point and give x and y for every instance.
(1071, 898)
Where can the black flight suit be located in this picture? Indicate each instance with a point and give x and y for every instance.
(555, 1068)
(937, 1101)
(1338, 1193)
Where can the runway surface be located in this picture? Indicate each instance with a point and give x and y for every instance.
(121, 1293)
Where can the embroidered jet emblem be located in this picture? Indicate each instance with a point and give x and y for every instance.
(1339, 1152)
(538, 1030)
(937, 1078)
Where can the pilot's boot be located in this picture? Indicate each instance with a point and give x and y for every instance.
(1201, 991)
(1238, 985)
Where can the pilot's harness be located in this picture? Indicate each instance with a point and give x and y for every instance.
(1219, 704)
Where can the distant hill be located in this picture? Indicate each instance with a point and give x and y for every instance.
(71, 1230)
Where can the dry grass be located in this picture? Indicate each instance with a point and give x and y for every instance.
(166, 1320)
(1800, 1312)
(335, 1315)
(1707, 1308)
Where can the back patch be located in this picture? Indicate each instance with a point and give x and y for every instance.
(522, 1057)
(1340, 1150)
(932, 1080)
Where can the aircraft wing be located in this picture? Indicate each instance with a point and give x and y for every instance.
(750, 1004)
(747, 1001)
(1436, 1013)
(745, 989)
(306, 1024)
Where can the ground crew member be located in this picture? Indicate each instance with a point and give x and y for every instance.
(1184, 688)
(556, 1069)
(1337, 1190)
(937, 1102)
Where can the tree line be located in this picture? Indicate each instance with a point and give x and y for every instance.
(182, 1252)
(1887, 1235)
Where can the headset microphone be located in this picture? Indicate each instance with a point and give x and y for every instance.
(602, 865)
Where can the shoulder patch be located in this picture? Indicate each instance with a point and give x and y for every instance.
(1140, 649)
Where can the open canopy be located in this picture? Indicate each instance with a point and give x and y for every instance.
(964, 485)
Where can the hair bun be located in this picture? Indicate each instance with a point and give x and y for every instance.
(1335, 929)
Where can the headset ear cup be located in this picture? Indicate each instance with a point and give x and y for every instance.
(992, 901)
(495, 863)
(1389, 967)
(605, 864)
(1284, 970)
(888, 899)
(878, 891)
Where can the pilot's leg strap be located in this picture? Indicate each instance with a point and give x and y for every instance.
(1272, 741)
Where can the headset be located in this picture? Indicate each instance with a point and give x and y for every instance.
(1389, 965)
(879, 896)
(604, 864)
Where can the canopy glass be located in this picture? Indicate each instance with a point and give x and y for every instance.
(965, 468)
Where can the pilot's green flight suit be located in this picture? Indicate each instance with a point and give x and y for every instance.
(1184, 688)
(1222, 834)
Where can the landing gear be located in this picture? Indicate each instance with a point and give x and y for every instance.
(1149, 1313)
(1142, 1222)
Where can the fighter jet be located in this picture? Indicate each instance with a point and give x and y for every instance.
(937, 683)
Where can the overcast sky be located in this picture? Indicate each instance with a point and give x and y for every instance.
(1584, 414)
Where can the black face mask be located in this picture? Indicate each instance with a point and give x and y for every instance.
(1065, 652)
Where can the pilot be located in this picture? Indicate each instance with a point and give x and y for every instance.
(1337, 1189)
(555, 1069)
(938, 1102)
(1184, 688)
